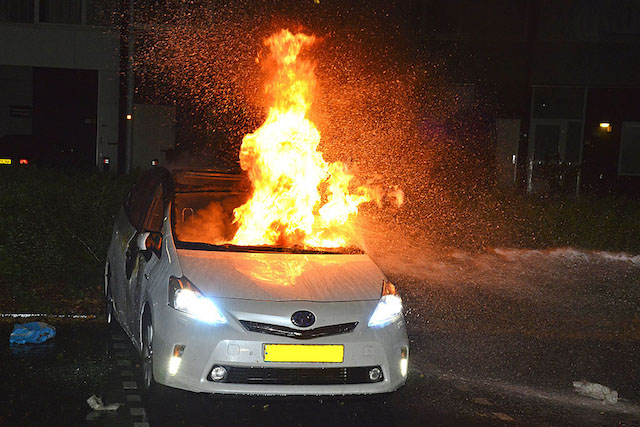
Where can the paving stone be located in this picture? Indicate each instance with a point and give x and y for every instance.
(129, 385)
(137, 412)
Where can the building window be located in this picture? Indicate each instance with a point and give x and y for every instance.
(473, 17)
(102, 12)
(629, 163)
(16, 11)
(620, 18)
(61, 11)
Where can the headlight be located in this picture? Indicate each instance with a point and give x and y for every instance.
(388, 309)
(185, 297)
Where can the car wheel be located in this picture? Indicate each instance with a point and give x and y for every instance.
(147, 354)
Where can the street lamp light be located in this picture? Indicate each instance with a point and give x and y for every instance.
(605, 126)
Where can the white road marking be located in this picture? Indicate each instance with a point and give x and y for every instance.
(129, 385)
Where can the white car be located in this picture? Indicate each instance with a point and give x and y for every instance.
(251, 320)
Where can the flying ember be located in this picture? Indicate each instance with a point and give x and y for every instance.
(299, 198)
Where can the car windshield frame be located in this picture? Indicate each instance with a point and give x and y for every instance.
(228, 247)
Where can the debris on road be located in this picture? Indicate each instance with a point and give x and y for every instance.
(96, 404)
(503, 417)
(31, 333)
(596, 391)
(482, 401)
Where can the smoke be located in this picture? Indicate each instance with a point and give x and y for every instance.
(212, 224)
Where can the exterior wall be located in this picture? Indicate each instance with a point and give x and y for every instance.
(153, 134)
(108, 112)
(70, 47)
(507, 139)
(589, 47)
(16, 89)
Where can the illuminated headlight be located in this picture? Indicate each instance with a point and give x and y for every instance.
(389, 309)
(185, 297)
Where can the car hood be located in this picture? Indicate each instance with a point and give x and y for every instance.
(282, 276)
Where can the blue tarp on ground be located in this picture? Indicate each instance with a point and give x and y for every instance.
(31, 333)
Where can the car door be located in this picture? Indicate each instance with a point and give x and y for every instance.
(124, 231)
(145, 261)
(136, 208)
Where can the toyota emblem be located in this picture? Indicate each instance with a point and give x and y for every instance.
(303, 318)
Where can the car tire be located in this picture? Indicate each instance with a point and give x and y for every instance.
(150, 386)
(147, 353)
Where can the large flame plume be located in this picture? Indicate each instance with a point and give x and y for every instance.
(299, 199)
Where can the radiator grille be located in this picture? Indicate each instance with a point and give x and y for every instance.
(299, 376)
(299, 334)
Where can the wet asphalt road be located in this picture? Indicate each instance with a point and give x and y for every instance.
(496, 339)
(455, 379)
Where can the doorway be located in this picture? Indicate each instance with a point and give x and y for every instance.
(64, 117)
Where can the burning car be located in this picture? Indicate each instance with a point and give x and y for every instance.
(215, 317)
(254, 283)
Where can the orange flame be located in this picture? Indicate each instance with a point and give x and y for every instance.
(299, 198)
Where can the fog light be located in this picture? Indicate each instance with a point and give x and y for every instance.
(404, 361)
(375, 374)
(174, 361)
(218, 373)
(174, 365)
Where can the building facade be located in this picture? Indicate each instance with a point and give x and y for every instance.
(562, 79)
(60, 87)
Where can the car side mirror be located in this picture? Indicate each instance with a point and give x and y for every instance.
(150, 242)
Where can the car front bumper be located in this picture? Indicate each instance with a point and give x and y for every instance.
(232, 346)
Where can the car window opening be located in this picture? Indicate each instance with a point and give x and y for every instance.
(202, 216)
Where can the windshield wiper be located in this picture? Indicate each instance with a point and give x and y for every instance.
(227, 247)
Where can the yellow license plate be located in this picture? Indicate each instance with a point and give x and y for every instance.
(302, 353)
(5, 161)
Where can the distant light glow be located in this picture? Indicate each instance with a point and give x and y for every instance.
(129, 117)
(5, 161)
(605, 125)
(154, 162)
(105, 160)
(24, 161)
